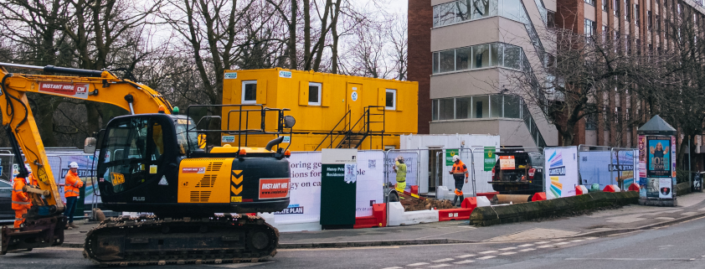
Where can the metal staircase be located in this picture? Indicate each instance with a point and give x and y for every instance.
(353, 134)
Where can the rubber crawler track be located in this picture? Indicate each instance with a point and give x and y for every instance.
(244, 224)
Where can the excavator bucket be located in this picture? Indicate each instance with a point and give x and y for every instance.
(38, 233)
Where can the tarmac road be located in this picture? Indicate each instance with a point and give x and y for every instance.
(678, 246)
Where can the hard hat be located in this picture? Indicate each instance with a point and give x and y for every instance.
(73, 165)
(29, 170)
(456, 158)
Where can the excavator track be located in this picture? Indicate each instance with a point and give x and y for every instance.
(148, 240)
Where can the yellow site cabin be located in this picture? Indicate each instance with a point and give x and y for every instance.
(331, 111)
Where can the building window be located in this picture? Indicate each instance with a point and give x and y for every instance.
(648, 20)
(658, 23)
(615, 3)
(459, 11)
(391, 99)
(591, 122)
(478, 107)
(478, 56)
(604, 5)
(590, 2)
(434, 109)
(249, 92)
(636, 15)
(551, 19)
(626, 10)
(314, 94)
(590, 28)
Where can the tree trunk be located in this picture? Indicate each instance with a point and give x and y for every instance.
(292, 35)
(307, 35)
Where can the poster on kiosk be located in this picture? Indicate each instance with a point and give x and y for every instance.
(561, 176)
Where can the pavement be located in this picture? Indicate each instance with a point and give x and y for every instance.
(597, 224)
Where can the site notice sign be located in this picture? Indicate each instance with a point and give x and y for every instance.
(338, 187)
(489, 158)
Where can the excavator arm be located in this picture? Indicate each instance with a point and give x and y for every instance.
(89, 85)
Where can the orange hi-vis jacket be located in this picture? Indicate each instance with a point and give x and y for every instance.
(20, 199)
(71, 184)
(460, 168)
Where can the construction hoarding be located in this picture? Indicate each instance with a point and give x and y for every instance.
(561, 176)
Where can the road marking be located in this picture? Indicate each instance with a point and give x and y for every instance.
(558, 240)
(509, 248)
(488, 252)
(417, 264)
(395, 267)
(486, 258)
(473, 255)
(627, 259)
(577, 240)
(546, 246)
(329, 249)
(508, 253)
(542, 242)
(444, 260)
(527, 249)
(440, 265)
(464, 262)
(561, 243)
(525, 245)
(590, 238)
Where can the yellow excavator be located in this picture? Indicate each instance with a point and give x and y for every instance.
(152, 160)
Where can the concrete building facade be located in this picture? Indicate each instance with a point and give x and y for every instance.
(464, 52)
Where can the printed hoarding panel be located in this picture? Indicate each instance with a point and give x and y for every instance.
(411, 161)
(561, 177)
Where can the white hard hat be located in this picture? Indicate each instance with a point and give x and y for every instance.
(29, 169)
(456, 158)
(73, 165)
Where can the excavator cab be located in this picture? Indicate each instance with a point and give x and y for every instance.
(156, 163)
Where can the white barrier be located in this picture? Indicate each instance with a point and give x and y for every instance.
(483, 201)
(443, 193)
(290, 226)
(398, 217)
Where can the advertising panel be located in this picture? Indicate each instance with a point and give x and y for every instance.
(305, 189)
(659, 161)
(561, 175)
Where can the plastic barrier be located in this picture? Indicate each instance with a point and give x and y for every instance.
(482, 201)
(454, 214)
(443, 193)
(634, 187)
(378, 218)
(539, 196)
(580, 190)
(398, 217)
(470, 202)
(611, 188)
(489, 195)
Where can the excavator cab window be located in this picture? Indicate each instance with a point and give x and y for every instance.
(132, 148)
(186, 140)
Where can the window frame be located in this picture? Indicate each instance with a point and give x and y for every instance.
(394, 102)
(246, 82)
(320, 91)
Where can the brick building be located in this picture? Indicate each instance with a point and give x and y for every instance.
(461, 50)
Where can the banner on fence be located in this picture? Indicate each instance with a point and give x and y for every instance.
(561, 166)
(305, 194)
